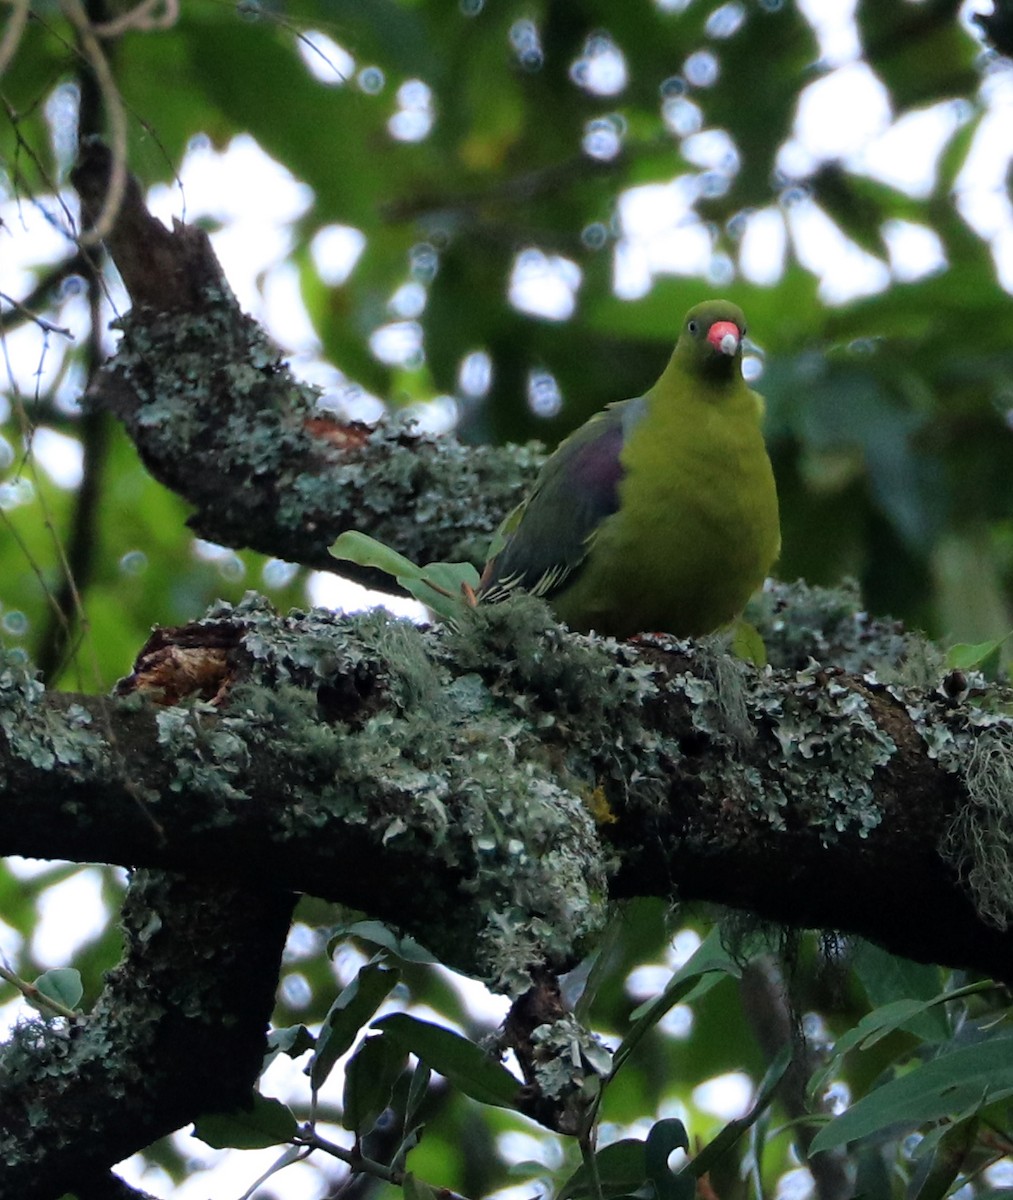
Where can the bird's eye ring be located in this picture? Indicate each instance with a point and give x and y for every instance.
(693, 326)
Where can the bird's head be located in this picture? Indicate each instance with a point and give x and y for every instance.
(711, 337)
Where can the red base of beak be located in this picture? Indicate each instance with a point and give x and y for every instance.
(721, 330)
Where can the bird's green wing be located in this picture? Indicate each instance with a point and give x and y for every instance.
(544, 541)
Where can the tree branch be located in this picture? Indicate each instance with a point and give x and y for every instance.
(218, 418)
(107, 1186)
(178, 1031)
(483, 788)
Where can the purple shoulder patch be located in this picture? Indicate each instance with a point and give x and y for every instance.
(597, 471)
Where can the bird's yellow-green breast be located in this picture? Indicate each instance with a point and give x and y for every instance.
(660, 513)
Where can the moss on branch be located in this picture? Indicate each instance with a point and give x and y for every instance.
(488, 787)
(195, 986)
(219, 419)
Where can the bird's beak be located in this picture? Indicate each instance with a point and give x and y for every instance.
(724, 336)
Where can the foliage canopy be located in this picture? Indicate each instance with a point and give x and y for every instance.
(510, 203)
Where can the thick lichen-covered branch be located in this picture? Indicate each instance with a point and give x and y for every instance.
(178, 1031)
(487, 788)
(218, 418)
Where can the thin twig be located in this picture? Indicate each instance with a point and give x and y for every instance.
(20, 180)
(116, 115)
(21, 312)
(591, 1167)
(291, 1155)
(360, 1164)
(27, 316)
(12, 35)
(26, 429)
(355, 1159)
(141, 19)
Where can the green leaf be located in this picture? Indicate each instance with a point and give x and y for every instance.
(459, 1060)
(730, 1134)
(952, 1085)
(709, 960)
(664, 1137)
(600, 964)
(753, 1158)
(621, 1167)
(417, 1189)
(855, 205)
(886, 977)
(965, 656)
(898, 1014)
(450, 578)
(408, 1143)
(63, 985)
(874, 1175)
(747, 644)
(400, 945)
(370, 1076)
(935, 1179)
(438, 585)
(874, 1026)
(417, 1091)
(293, 1040)
(347, 1015)
(266, 1122)
(366, 551)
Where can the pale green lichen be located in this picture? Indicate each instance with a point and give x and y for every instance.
(439, 761)
(579, 699)
(37, 734)
(974, 742)
(569, 1064)
(981, 837)
(206, 754)
(718, 689)
(30, 1041)
(826, 731)
(799, 622)
(207, 390)
(822, 730)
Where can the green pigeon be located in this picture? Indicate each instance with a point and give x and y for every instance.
(660, 513)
